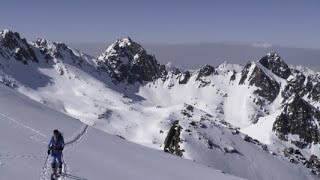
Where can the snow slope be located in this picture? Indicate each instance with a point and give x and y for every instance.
(26, 125)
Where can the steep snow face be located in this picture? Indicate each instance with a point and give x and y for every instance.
(211, 104)
(215, 94)
(109, 156)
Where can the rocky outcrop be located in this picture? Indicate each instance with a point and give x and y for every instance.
(204, 72)
(304, 85)
(184, 77)
(298, 117)
(55, 51)
(172, 141)
(313, 87)
(51, 50)
(13, 46)
(127, 61)
(295, 86)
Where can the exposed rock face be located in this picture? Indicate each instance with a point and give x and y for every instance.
(275, 64)
(51, 49)
(57, 50)
(12, 45)
(127, 61)
(267, 87)
(205, 71)
(184, 77)
(303, 85)
(298, 117)
(295, 86)
(46, 49)
(313, 87)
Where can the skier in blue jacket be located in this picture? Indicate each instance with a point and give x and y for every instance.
(55, 148)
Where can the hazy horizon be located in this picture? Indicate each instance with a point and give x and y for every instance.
(187, 33)
(290, 23)
(194, 55)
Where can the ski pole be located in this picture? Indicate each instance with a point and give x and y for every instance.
(45, 162)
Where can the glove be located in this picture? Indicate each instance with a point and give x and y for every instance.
(49, 152)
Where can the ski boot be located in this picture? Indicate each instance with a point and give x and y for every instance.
(60, 170)
(54, 173)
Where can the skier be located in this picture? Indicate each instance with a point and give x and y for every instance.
(55, 148)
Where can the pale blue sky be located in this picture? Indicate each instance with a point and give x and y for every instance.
(293, 23)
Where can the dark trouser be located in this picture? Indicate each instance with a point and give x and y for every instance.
(56, 160)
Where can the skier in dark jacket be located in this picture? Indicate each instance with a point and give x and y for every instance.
(55, 148)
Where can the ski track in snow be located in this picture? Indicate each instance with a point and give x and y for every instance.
(78, 137)
(44, 169)
(20, 156)
(72, 142)
(23, 125)
(46, 165)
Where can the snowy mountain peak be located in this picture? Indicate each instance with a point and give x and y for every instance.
(226, 66)
(121, 46)
(255, 76)
(205, 71)
(40, 42)
(55, 50)
(125, 42)
(10, 38)
(50, 50)
(43, 43)
(13, 46)
(274, 55)
(126, 60)
(4, 32)
(223, 65)
(274, 62)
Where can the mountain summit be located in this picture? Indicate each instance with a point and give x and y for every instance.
(127, 61)
(274, 63)
(12, 45)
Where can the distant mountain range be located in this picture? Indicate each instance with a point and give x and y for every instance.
(191, 56)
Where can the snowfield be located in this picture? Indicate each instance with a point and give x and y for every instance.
(26, 125)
